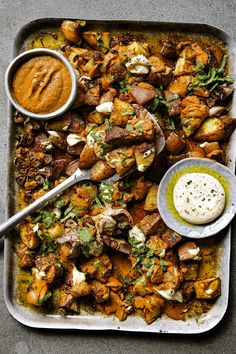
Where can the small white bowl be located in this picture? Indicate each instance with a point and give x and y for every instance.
(165, 197)
(31, 54)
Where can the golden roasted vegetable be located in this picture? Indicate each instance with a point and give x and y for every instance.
(179, 85)
(28, 236)
(175, 144)
(214, 129)
(207, 288)
(101, 170)
(151, 199)
(97, 40)
(121, 113)
(144, 155)
(192, 116)
(71, 30)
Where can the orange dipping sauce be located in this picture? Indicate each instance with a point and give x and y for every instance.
(42, 84)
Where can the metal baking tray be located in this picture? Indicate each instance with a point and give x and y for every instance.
(100, 322)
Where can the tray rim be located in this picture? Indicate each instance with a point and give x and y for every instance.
(198, 27)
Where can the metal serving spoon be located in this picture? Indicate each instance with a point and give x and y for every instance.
(76, 175)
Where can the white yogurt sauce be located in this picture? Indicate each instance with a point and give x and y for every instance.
(199, 198)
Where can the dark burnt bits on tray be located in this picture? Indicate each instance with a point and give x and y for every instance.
(104, 247)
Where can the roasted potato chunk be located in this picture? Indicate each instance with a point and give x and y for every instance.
(192, 116)
(71, 30)
(175, 144)
(151, 199)
(180, 85)
(101, 170)
(121, 159)
(215, 129)
(150, 224)
(207, 288)
(121, 113)
(144, 155)
(87, 157)
(28, 236)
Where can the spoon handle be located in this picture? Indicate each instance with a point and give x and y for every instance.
(42, 201)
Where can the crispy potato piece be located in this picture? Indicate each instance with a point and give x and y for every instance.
(215, 129)
(160, 74)
(108, 96)
(174, 144)
(28, 236)
(82, 289)
(87, 157)
(171, 238)
(121, 113)
(96, 117)
(152, 306)
(37, 293)
(116, 306)
(142, 129)
(140, 188)
(97, 40)
(117, 136)
(141, 286)
(180, 85)
(92, 96)
(156, 244)
(210, 147)
(189, 270)
(150, 224)
(121, 159)
(207, 288)
(100, 291)
(174, 102)
(151, 199)
(101, 170)
(142, 95)
(190, 100)
(144, 155)
(71, 30)
(188, 251)
(192, 116)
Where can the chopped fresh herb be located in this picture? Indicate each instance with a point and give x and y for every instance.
(124, 161)
(72, 212)
(47, 246)
(59, 203)
(150, 270)
(98, 202)
(131, 113)
(97, 265)
(129, 127)
(106, 193)
(139, 127)
(170, 123)
(154, 104)
(100, 42)
(129, 297)
(186, 122)
(211, 78)
(163, 264)
(40, 234)
(85, 235)
(45, 298)
(47, 184)
(107, 123)
(45, 217)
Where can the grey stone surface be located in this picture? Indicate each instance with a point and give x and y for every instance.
(14, 337)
